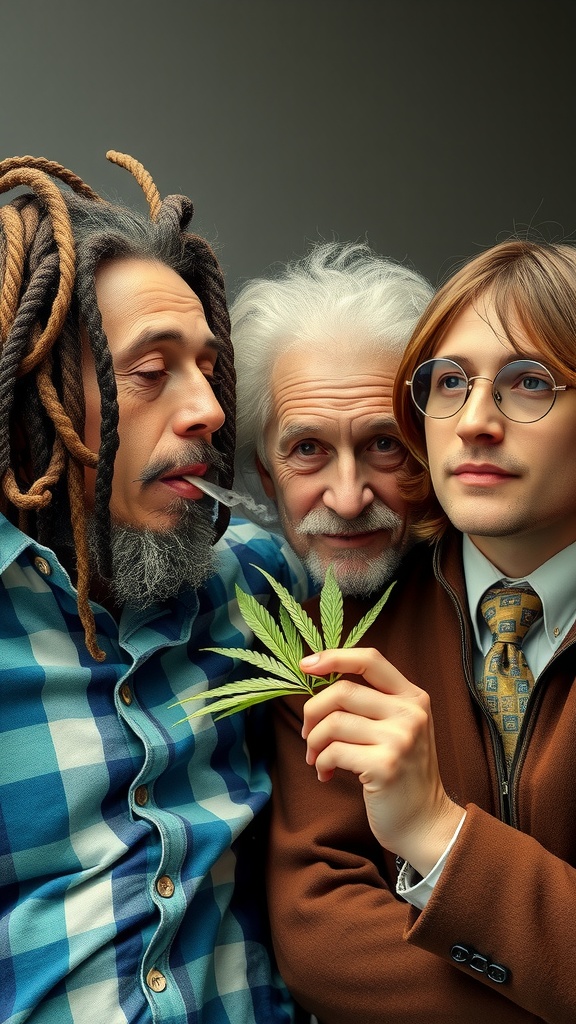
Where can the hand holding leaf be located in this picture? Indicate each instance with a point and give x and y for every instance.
(284, 641)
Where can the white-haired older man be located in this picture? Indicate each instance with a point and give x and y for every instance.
(316, 351)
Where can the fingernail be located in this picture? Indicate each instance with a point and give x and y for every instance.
(310, 659)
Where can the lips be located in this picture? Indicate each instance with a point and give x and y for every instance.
(176, 479)
(480, 467)
(197, 469)
(350, 539)
(481, 473)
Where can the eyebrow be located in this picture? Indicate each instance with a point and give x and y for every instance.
(149, 337)
(513, 357)
(294, 430)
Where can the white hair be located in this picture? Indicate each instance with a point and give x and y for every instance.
(338, 294)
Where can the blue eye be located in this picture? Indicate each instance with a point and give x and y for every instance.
(534, 384)
(387, 445)
(452, 381)
(306, 448)
(386, 452)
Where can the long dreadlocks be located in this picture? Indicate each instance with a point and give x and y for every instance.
(51, 243)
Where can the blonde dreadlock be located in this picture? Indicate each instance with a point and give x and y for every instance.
(51, 243)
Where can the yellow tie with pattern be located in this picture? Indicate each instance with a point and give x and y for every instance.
(507, 682)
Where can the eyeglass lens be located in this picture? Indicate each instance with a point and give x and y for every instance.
(523, 390)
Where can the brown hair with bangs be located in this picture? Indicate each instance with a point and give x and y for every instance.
(532, 287)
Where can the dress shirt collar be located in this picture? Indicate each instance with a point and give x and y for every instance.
(553, 582)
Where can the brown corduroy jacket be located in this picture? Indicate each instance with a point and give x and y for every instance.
(350, 950)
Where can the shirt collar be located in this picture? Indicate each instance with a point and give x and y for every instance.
(553, 582)
(171, 619)
(13, 542)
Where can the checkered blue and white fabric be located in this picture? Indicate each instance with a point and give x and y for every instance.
(129, 872)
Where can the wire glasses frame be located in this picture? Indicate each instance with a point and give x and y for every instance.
(524, 390)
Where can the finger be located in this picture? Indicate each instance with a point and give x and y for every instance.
(350, 698)
(359, 661)
(365, 701)
(342, 726)
(387, 739)
(373, 765)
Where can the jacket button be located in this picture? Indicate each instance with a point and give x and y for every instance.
(497, 973)
(42, 565)
(460, 953)
(478, 963)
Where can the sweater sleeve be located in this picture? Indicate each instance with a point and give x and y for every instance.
(338, 926)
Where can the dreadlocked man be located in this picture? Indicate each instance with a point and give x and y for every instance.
(125, 892)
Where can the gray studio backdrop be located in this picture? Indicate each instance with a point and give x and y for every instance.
(429, 128)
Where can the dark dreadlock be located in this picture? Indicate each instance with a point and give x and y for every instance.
(51, 243)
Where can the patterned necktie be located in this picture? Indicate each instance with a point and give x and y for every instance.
(507, 682)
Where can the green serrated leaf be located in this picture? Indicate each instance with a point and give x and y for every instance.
(292, 635)
(331, 610)
(260, 660)
(234, 701)
(366, 621)
(285, 642)
(264, 627)
(301, 620)
(243, 686)
(228, 705)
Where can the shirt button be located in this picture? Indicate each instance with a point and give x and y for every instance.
(126, 694)
(156, 980)
(141, 796)
(42, 565)
(165, 886)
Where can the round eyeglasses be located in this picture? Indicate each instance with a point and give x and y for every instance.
(523, 390)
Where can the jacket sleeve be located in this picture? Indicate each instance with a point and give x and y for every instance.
(337, 924)
(504, 900)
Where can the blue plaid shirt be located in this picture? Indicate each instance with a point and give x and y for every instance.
(130, 864)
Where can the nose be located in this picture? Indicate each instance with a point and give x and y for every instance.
(347, 492)
(198, 411)
(480, 418)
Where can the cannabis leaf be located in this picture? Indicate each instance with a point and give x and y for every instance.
(331, 610)
(285, 642)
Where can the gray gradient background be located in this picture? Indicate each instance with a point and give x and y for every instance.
(429, 128)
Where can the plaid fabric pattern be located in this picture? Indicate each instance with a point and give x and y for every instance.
(130, 876)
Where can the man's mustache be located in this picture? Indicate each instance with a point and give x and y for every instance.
(192, 452)
(325, 521)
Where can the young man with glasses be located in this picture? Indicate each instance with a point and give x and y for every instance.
(452, 776)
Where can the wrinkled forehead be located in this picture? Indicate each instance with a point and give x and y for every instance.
(330, 394)
(332, 359)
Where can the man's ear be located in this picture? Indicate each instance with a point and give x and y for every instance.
(267, 482)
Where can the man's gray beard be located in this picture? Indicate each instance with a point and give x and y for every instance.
(153, 565)
(357, 574)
